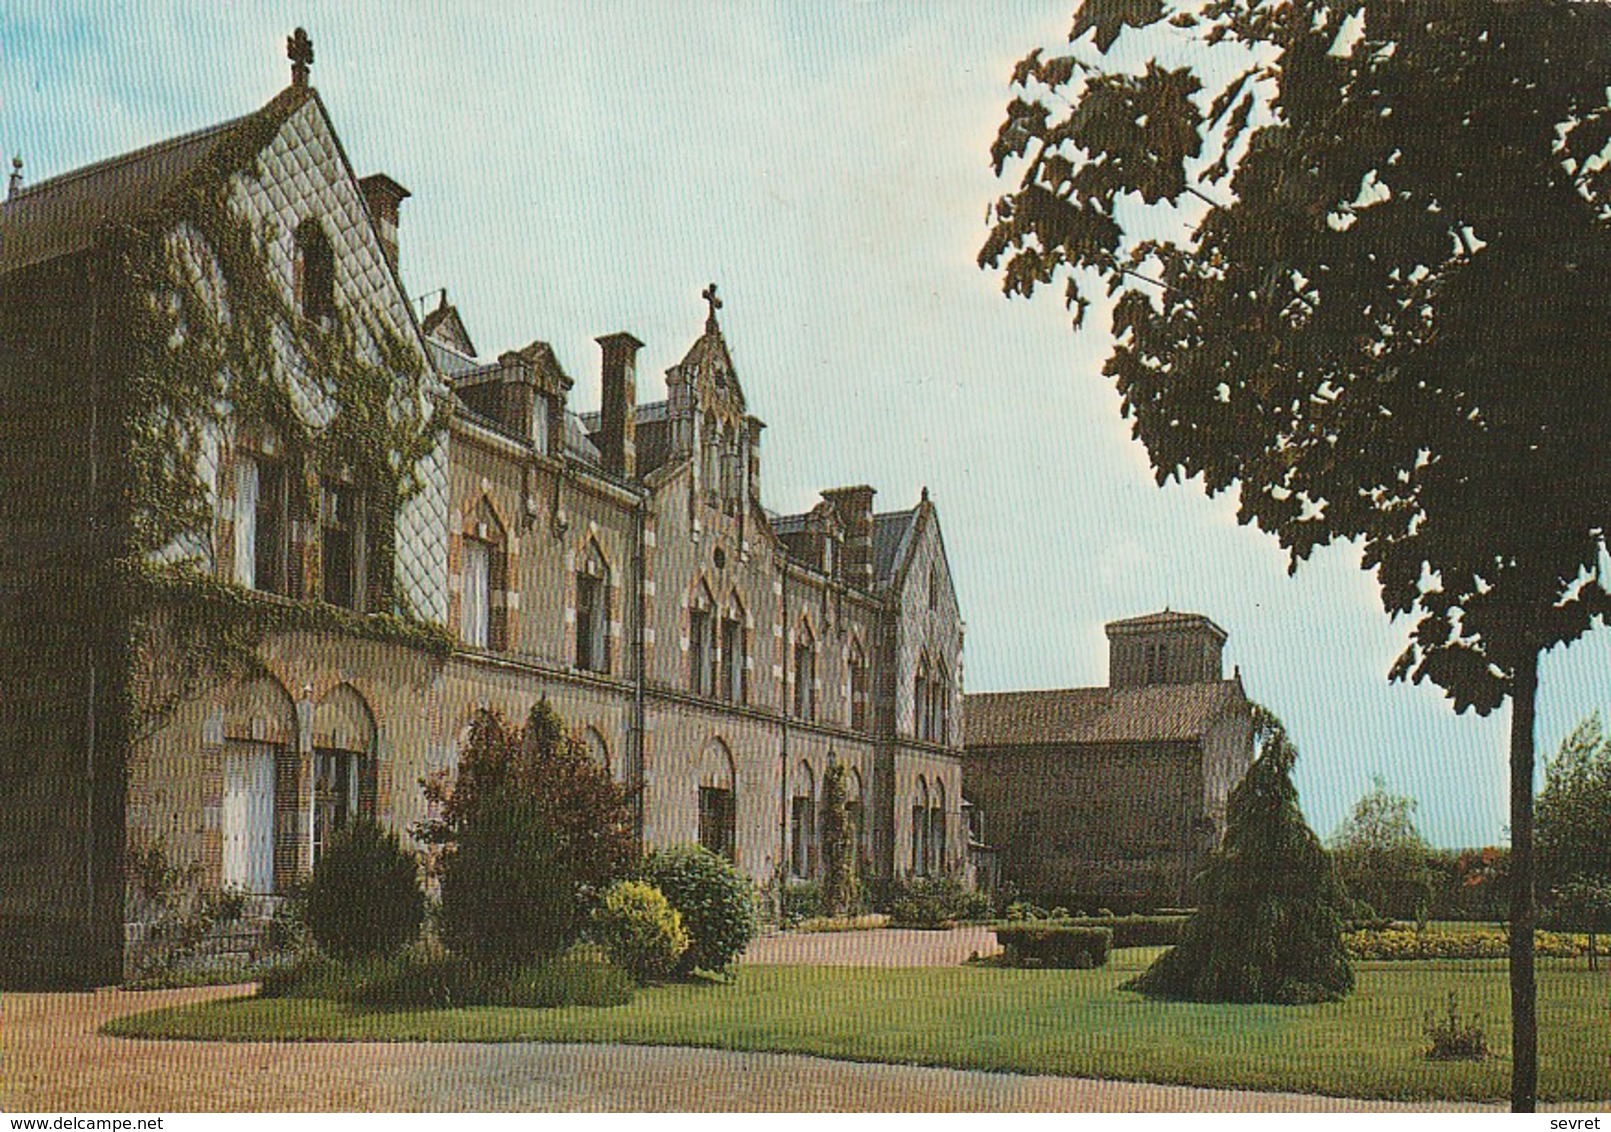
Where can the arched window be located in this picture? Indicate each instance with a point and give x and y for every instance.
(803, 823)
(734, 676)
(859, 714)
(805, 672)
(702, 641)
(937, 828)
(258, 806)
(597, 749)
(940, 704)
(345, 780)
(483, 581)
(718, 824)
(856, 815)
(315, 273)
(920, 699)
(920, 830)
(711, 461)
(592, 610)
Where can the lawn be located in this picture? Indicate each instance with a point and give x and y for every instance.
(1060, 1022)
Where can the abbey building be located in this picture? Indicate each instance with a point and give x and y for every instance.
(270, 537)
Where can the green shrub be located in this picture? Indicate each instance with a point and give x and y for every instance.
(1055, 945)
(838, 844)
(531, 825)
(1137, 931)
(1406, 943)
(426, 975)
(365, 897)
(935, 902)
(502, 902)
(1452, 1038)
(800, 900)
(715, 900)
(1269, 923)
(639, 929)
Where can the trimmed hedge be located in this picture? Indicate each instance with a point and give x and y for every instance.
(1403, 943)
(1055, 945)
(1138, 931)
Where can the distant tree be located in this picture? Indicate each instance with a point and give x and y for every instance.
(1269, 919)
(838, 844)
(1373, 298)
(530, 830)
(1574, 808)
(1471, 884)
(1574, 833)
(1381, 857)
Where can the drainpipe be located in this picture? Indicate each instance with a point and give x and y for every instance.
(638, 659)
(98, 273)
(783, 755)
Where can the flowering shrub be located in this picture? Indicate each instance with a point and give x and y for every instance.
(639, 929)
(1404, 943)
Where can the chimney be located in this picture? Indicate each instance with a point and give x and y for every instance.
(383, 195)
(617, 436)
(854, 505)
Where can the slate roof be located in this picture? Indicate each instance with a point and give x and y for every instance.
(1150, 714)
(60, 216)
(1164, 619)
(889, 532)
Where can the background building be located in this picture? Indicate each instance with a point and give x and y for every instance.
(1111, 797)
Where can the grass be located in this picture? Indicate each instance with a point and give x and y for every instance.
(1060, 1022)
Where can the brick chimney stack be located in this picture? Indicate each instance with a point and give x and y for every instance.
(854, 506)
(617, 436)
(383, 196)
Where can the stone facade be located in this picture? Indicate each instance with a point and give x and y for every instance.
(618, 564)
(1112, 797)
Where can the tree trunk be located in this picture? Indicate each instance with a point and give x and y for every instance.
(1523, 989)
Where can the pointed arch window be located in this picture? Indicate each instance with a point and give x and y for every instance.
(920, 699)
(805, 673)
(734, 675)
(920, 828)
(859, 714)
(315, 273)
(803, 824)
(702, 656)
(593, 611)
(936, 845)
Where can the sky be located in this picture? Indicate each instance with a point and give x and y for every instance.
(583, 169)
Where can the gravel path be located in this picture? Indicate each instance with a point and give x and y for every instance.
(55, 1061)
(885, 947)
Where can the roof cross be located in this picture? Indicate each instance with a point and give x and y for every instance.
(299, 49)
(709, 295)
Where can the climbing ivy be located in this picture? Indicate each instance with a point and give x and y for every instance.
(214, 350)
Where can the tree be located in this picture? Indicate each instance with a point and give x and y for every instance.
(364, 897)
(1381, 857)
(1574, 833)
(1269, 920)
(531, 829)
(838, 844)
(1364, 283)
(1574, 808)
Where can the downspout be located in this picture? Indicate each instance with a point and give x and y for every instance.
(638, 659)
(783, 755)
(96, 281)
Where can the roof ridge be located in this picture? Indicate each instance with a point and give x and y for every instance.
(107, 163)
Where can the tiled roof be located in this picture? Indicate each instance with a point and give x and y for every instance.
(1165, 619)
(60, 216)
(1154, 713)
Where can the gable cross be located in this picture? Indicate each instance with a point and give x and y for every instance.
(709, 295)
(299, 49)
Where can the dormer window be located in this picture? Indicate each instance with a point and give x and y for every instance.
(315, 274)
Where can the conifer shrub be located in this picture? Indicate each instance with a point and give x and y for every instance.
(715, 900)
(639, 929)
(530, 830)
(1269, 922)
(364, 897)
(838, 844)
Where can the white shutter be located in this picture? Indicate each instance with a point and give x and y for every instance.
(246, 489)
(248, 819)
(475, 594)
